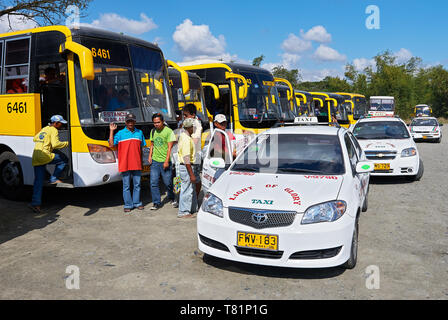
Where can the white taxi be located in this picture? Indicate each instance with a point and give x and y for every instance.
(426, 128)
(387, 142)
(292, 198)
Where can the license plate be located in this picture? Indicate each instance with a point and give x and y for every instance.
(382, 166)
(257, 241)
(146, 168)
(425, 137)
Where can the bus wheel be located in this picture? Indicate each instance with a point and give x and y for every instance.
(11, 178)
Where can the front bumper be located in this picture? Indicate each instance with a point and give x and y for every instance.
(426, 136)
(398, 167)
(296, 243)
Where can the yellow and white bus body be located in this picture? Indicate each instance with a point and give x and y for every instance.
(91, 77)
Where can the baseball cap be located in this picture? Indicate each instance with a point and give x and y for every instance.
(188, 123)
(220, 118)
(58, 118)
(130, 117)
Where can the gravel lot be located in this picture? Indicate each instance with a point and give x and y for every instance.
(154, 255)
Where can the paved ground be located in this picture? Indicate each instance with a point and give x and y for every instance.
(151, 255)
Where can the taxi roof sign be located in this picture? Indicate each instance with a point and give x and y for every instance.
(301, 120)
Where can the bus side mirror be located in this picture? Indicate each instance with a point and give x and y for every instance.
(85, 58)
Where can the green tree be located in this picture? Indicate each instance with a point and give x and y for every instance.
(258, 60)
(292, 76)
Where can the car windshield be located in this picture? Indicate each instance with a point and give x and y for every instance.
(292, 154)
(379, 130)
(424, 123)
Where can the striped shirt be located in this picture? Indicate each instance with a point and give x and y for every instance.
(130, 146)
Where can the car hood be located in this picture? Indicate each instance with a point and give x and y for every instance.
(385, 145)
(275, 191)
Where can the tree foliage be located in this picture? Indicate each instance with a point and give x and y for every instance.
(258, 60)
(43, 12)
(290, 75)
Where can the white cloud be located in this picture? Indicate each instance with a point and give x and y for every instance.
(290, 60)
(16, 23)
(318, 75)
(324, 53)
(294, 44)
(317, 33)
(115, 22)
(403, 55)
(361, 63)
(197, 42)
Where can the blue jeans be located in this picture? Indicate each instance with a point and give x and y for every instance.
(60, 161)
(188, 202)
(131, 201)
(167, 177)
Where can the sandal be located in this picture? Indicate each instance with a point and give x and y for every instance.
(36, 209)
(127, 210)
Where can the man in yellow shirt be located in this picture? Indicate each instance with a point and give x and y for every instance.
(46, 141)
(186, 156)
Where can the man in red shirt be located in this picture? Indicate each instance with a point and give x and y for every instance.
(130, 142)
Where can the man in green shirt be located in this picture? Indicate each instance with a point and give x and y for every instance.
(162, 141)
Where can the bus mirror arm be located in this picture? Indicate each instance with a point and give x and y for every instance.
(85, 58)
(214, 87)
(242, 95)
(183, 75)
(281, 80)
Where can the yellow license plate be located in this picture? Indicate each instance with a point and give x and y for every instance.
(146, 168)
(382, 166)
(258, 241)
(425, 137)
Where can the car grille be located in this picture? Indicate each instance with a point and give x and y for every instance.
(269, 218)
(259, 253)
(381, 155)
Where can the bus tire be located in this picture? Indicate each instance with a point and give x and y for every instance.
(11, 177)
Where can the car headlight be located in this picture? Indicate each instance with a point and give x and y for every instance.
(212, 204)
(409, 152)
(324, 212)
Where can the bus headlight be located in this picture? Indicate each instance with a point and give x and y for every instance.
(324, 212)
(101, 154)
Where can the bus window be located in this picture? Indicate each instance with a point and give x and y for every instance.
(16, 66)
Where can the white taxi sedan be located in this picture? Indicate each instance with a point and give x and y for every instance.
(293, 199)
(388, 143)
(426, 128)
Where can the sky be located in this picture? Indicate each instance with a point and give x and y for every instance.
(317, 37)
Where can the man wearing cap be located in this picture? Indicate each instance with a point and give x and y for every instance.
(46, 142)
(186, 156)
(219, 147)
(130, 142)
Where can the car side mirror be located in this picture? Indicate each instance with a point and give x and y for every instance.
(440, 124)
(364, 167)
(217, 163)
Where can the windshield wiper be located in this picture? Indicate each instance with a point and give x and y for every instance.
(299, 170)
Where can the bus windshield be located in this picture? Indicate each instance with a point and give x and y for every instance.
(286, 113)
(128, 78)
(422, 111)
(360, 107)
(262, 102)
(382, 105)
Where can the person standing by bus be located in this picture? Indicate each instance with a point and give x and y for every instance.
(189, 112)
(188, 204)
(46, 142)
(130, 142)
(162, 141)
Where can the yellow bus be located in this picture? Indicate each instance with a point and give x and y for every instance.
(247, 96)
(422, 110)
(91, 77)
(304, 102)
(327, 105)
(358, 105)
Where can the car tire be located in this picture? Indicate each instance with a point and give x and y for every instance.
(11, 177)
(351, 262)
(420, 172)
(439, 140)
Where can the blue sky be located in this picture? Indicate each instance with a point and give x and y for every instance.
(318, 37)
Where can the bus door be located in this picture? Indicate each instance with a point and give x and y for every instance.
(217, 159)
(53, 88)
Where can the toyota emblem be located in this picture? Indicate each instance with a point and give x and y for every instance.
(259, 217)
